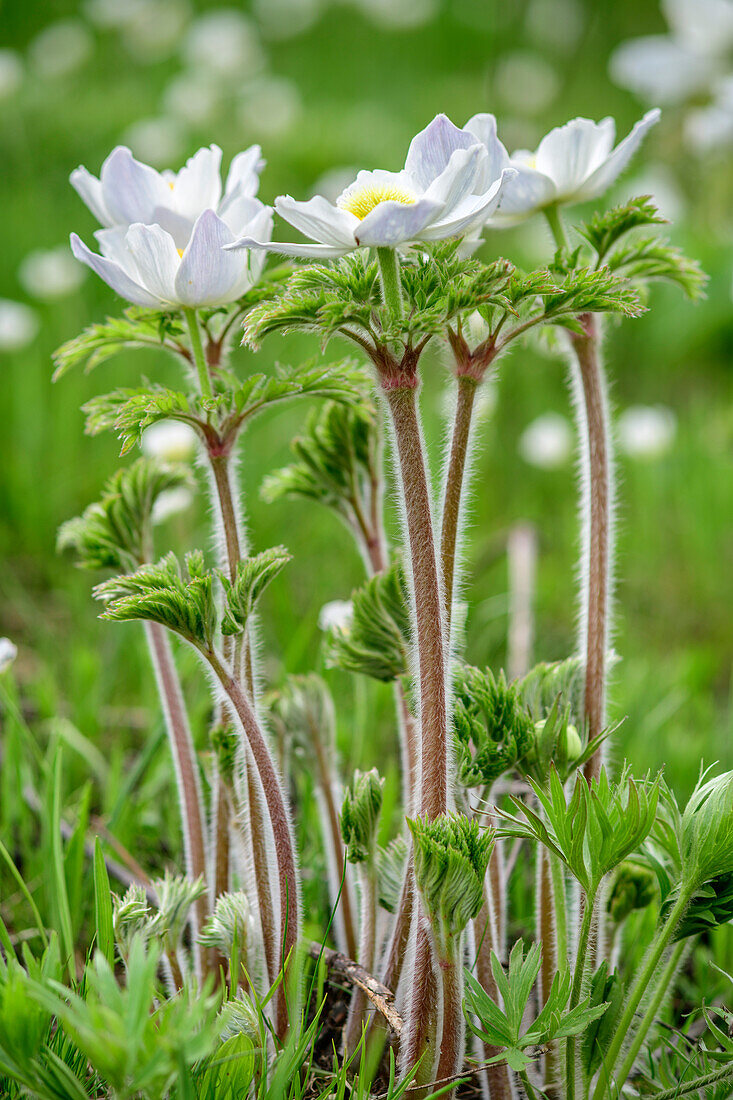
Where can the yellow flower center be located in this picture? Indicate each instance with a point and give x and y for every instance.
(362, 200)
(180, 253)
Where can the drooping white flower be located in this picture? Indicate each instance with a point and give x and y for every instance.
(170, 440)
(446, 187)
(8, 653)
(165, 236)
(169, 503)
(573, 163)
(50, 273)
(646, 431)
(18, 325)
(547, 442)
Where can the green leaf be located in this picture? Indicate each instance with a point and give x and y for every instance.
(103, 918)
(360, 812)
(252, 577)
(376, 642)
(451, 855)
(492, 729)
(57, 870)
(605, 228)
(136, 329)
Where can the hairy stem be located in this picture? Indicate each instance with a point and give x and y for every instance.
(465, 398)
(651, 1013)
(598, 533)
(184, 758)
(581, 958)
(367, 950)
(280, 820)
(332, 826)
(547, 933)
(699, 1083)
(434, 782)
(420, 1038)
(197, 350)
(389, 274)
(485, 934)
(637, 992)
(453, 1035)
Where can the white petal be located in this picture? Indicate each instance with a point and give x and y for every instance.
(132, 190)
(705, 26)
(569, 153)
(460, 176)
(89, 189)
(392, 223)
(614, 165)
(244, 173)
(239, 211)
(431, 149)
(208, 274)
(470, 214)
(157, 259)
(113, 275)
(320, 220)
(295, 251)
(197, 187)
(260, 227)
(524, 193)
(483, 128)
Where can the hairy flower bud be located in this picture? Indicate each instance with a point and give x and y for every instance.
(360, 815)
(634, 888)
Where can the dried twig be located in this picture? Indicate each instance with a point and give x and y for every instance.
(380, 996)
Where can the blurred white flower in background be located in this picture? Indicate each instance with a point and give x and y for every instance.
(646, 431)
(333, 182)
(285, 18)
(399, 14)
(547, 442)
(170, 503)
(192, 97)
(157, 141)
(526, 81)
(60, 48)
(336, 615)
(154, 30)
(11, 73)
(224, 42)
(50, 273)
(659, 182)
(18, 325)
(8, 653)
(270, 106)
(170, 440)
(554, 23)
(692, 60)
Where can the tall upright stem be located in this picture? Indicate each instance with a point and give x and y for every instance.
(389, 273)
(598, 529)
(434, 781)
(197, 349)
(465, 398)
(184, 758)
(281, 828)
(367, 950)
(485, 935)
(580, 963)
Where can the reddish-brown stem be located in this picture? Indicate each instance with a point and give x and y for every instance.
(465, 397)
(367, 951)
(326, 784)
(598, 533)
(219, 462)
(259, 830)
(279, 818)
(420, 1034)
(184, 758)
(428, 601)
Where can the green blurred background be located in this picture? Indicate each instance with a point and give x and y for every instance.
(327, 87)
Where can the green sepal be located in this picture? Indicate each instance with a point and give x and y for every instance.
(392, 861)
(451, 856)
(492, 728)
(634, 887)
(376, 641)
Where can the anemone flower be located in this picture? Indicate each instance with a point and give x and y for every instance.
(573, 163)
(445, 189)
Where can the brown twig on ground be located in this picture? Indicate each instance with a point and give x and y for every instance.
(380, 996)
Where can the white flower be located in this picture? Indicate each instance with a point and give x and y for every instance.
(446, 188)
(192, 96)
(709, 129)
(672, 68)
(170, 440)
(285, 18)
(170, 502)
(165, 236)
(60, 48)
(526, 82)
(645, 431)
(11, 73)
(18, 325)
(223, 42)
(50, 273)
(270, 106)
(573, 163)
(399, 14)
(8, 653)
(336, 615)
(547, 442)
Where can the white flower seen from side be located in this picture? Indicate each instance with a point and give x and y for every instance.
(446, 187)
(646, 431)
(50, 273)
(165, 236)
(170, 440)
(573, 163)
(170, 502)
(547, 442)
(18, 325)
(8, 653)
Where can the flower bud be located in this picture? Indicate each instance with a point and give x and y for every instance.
(229, 924)
(451, 856)
(634, 888)
(360, 812)
(707, 831)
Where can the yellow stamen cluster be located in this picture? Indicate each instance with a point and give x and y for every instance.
(362, 200)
